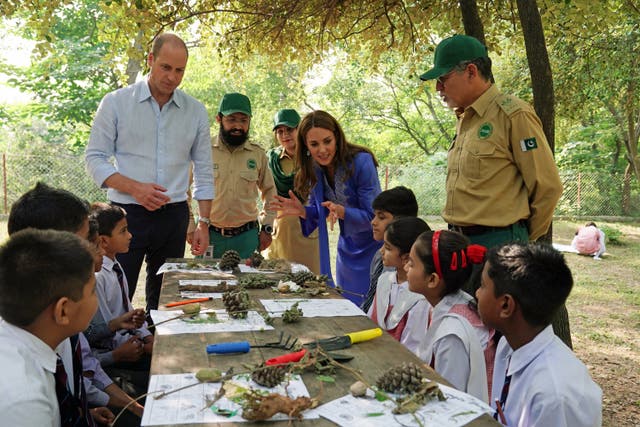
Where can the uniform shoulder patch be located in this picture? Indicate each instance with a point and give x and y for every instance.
(509, 104)
(529, 144)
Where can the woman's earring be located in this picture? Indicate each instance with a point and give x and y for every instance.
(308, 153)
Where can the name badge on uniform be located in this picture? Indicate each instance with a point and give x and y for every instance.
(528, 144)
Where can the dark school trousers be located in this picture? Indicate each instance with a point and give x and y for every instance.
(157, 235)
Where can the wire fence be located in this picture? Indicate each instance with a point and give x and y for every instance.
(585, 194)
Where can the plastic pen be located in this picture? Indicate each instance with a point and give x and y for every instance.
(188, 301)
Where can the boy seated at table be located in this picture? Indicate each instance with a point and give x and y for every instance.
(46, 296)
(44, 207)
(389, 205)
(124, 349)
(537, 380)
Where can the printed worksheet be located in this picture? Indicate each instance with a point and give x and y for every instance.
(207, 321)
(194, 404)
(196, 267)
(313, 307)
(459, 409)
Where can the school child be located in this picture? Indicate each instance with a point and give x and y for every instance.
(98, 329)
(589, 240)
(46, 296)
(128, 349)
(44, 207)
(389, 205)
(537, 380)
(456, 344)
(397, 310)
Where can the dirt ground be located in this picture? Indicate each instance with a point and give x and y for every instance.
(604, 313)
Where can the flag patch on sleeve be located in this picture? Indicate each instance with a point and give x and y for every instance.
(528, 144)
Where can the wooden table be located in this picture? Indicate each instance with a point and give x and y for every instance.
(173, 354)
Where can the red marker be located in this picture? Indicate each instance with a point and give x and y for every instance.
(188, 301)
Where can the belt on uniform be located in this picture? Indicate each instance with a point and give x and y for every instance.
(234, 231)
(476, 230)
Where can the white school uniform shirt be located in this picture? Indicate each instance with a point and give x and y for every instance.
(27, 382)
(549, 386)
(456, 347)
(404, 303)
(110, 298)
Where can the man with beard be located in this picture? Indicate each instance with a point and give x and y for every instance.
(241, 173)
(155, 132)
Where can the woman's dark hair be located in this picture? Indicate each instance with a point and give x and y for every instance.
(455, 257)
(345, 151)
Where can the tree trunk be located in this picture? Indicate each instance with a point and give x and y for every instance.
(544, 104)
(471, 19)
(133, 65)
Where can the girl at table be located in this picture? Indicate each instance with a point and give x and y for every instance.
(288, 241)
(456, 344)
(396, 309)
(339, 180)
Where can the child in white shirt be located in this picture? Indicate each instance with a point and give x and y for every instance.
(397, 310)
(537, 380)
(456, 344)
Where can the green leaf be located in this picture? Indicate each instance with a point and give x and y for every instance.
(380, 397)
(374, 414)
(326, 379)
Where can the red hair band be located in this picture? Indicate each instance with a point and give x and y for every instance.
(434, 252)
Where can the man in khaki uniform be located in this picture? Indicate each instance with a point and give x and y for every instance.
(241, 173)
(502, 181)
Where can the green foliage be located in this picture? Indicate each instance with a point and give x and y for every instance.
(613, 235)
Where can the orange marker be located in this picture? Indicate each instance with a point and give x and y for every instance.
(188, 301)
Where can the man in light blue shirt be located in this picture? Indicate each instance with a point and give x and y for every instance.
(155, 132)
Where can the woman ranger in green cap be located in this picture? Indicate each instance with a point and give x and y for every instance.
(288, 241)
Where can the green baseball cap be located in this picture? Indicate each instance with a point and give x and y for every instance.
(235, 103)
(287, 117)
(452, 51)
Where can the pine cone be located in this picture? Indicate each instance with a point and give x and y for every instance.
(269, 376)
(256, 259)
(230, 260)
(300, 277)
(405, 378)
(236, 302)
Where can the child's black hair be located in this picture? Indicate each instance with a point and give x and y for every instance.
(45, 207)
(535, 275)
(403, 231)
(37, 268)
(454, 255)
(107, 217)
(398, 201)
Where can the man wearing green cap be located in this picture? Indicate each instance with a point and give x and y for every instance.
(288, 241)
(502, 181)
(240, 174)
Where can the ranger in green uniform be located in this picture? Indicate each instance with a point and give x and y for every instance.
(502, 181)
(241, 174)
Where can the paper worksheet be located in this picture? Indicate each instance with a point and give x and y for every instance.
(203, 322)
(191, 404)
(313, 307)
(459, 409)
(295, 268)
(195, 267)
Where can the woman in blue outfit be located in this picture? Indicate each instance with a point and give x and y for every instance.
(340, 181)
